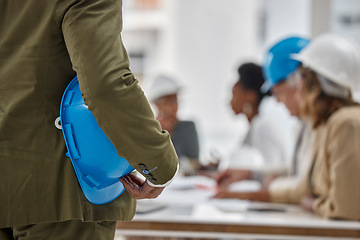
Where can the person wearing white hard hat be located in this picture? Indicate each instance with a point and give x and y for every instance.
(330, 72)
(163, 92)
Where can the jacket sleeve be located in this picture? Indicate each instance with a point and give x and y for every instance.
(288, 189)
(343, 166)
(291, 189)
(92, 34)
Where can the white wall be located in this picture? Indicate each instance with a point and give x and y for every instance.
(284, 18)
(203, 42)
(345, 19)
(212, 37)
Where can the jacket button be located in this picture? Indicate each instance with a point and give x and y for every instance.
(152, 180)
(142, 166)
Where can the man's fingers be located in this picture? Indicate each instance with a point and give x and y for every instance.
(124, 182)
(127, 180)
(138, 188)
(136, 179)
(134, 191)
(152, 192)
(133, 180)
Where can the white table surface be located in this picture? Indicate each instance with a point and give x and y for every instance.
(188, 200)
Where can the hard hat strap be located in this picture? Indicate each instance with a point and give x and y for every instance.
(293, 79)
(333, 89)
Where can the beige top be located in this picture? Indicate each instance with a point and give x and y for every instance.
(290, 189)
(336, 174)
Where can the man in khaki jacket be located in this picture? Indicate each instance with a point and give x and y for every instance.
(43, 45)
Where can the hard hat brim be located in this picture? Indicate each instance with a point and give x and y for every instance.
(94, 158)
(266, 87)
(297, 56)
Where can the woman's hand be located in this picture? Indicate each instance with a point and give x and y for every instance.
(262, 195)
(307, 202)
(228, 194)
(225, 178)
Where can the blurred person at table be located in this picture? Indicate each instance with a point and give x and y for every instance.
(163, 93)
(262, 150)
(330, 73)
(281, 74)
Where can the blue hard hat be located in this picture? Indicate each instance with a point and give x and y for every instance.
(279, 64)
(97, 165)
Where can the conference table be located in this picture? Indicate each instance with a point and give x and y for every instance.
(186, 209)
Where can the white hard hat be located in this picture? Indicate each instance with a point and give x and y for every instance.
(162, 86)
(335, 57)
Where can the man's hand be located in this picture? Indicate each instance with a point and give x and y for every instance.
(225, 178)
(138, 188)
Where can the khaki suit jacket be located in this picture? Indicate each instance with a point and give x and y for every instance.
(335, 176)
(290, 189)
(43, 45)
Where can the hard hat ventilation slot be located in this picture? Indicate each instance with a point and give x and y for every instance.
(71, 142)
(68, 98)
(90, 181)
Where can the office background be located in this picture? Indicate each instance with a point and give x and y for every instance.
(202, 43)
